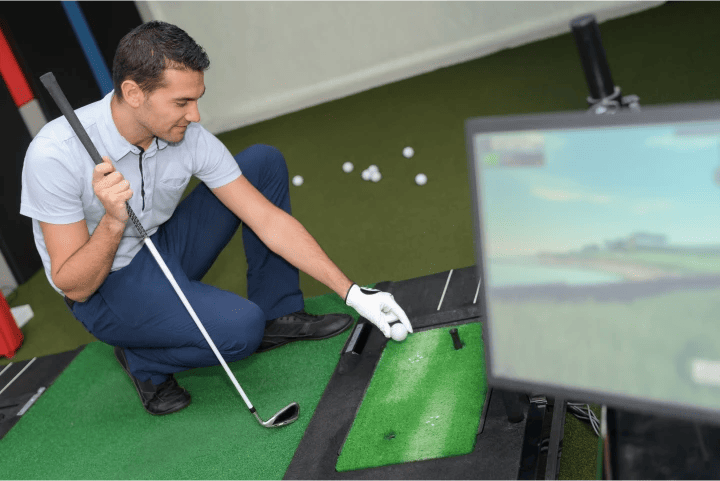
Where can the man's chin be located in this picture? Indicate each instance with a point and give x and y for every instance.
(174, 139)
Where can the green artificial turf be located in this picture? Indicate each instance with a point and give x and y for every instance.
(424, 401)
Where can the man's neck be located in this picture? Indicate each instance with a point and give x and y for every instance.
(147, 146)
(120, 118)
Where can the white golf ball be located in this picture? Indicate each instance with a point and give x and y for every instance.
(399, 333)
(366, 174)
(348, 167)
(373, 168)
(375, 176)
(421, 179)
(297, 180)
(408, 152)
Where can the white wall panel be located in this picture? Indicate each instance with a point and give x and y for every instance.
(272, 58)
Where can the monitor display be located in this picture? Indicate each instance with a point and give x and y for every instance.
(599, 247)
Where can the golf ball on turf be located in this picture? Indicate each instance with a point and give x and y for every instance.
(297, 180)
(375, 176)
(366, 175)
(421, 179)
(408, 152)
(373, 168)
(348, 167)
(399, 333)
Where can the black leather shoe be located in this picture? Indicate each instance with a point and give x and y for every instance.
(300, 326)
(165, 398)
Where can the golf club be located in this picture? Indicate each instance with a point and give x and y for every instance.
(283, 417)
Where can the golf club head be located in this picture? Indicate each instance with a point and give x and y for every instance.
(285, 416)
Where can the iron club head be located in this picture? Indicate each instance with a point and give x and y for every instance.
(285, 416)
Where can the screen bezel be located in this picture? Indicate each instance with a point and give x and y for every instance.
(574, 120)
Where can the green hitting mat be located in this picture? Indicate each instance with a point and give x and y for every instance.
(424, 401)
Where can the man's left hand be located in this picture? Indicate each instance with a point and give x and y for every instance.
(377, 307)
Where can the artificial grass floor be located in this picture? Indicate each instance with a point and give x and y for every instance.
(90, 423)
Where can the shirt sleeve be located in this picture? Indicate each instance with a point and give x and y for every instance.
(50, 191)
(215, 165)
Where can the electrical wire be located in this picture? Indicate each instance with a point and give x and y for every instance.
(583, 412)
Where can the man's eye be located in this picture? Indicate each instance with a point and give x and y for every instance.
(182, 104)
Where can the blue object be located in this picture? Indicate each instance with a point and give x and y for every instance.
(89, 46)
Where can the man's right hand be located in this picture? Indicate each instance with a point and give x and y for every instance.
(112, 189)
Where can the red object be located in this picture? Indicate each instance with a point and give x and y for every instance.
(11, 337)
(13, 75)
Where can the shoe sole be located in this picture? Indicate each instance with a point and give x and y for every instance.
(283, 343)
(120, 356)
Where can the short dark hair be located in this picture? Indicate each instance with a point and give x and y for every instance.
(148, 50)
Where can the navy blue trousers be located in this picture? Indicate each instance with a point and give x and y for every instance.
(136, 307)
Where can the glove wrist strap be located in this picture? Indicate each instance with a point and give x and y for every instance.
(348, 294)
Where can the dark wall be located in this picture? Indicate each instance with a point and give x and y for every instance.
(43, 40)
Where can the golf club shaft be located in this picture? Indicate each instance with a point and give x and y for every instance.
(168, 274)
(57, 94)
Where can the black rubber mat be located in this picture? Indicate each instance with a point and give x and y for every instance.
(499, 445)
(19, 397)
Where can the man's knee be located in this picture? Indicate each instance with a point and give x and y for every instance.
(269, 157)
(249, 329)
(256, 330)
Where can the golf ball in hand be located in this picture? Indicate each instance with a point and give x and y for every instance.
(348, 167)
(399, 333)
(408, 152)
(297, 180)
(421, 179)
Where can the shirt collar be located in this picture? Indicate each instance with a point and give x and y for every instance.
(117, 145)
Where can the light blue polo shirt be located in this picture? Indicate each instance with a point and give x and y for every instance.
(57, 176)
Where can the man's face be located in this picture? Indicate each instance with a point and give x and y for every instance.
(167, 112)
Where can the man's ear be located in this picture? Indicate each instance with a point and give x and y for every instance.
(132, 93)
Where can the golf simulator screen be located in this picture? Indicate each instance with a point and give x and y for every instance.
(598, 248)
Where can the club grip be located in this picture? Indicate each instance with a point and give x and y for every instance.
(57, 94)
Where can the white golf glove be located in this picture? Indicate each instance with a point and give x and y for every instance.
(377, 307)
